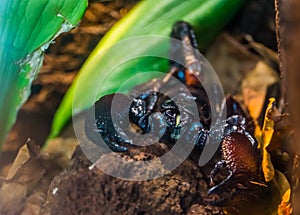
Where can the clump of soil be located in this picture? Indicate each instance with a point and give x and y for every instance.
(84, 190)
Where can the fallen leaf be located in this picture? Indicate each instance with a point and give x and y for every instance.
(254, 87)
(31, 173)
(22, 177)
(264, 140)
(281, 192)
(285, 207)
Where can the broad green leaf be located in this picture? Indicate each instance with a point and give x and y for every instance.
(27, 29)
(149, 17)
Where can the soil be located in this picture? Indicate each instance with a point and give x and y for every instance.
(90, 191)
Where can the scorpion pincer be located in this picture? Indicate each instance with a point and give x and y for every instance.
(239, 153)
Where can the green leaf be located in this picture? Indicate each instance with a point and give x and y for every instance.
(149, 17)
(27, 29)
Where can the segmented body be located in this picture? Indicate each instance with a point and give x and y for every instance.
(152, 110)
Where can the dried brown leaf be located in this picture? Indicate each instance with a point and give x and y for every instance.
(23, 175)
(281, 194)
(285, 207)
(254, 87)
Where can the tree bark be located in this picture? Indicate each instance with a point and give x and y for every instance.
(288, 35)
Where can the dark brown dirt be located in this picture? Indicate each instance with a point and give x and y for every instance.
(81, 190)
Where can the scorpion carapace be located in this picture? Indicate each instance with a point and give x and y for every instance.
(143, 108)
(152, 110)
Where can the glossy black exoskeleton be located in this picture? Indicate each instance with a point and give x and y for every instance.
(239, 156)
(153, 110)
(144, 107)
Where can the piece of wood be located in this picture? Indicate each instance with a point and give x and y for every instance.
(288, 34)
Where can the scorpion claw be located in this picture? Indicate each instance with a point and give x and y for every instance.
(99, 125)
(229, 183)
(106, 135)
(235, 186)
(213, 190)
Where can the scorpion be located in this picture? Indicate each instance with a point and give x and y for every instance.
(148, 110)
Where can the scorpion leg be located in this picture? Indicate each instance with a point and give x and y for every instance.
(225, 184)
(196, 134)
(99, 121)
(237, 116)
(219, 165)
